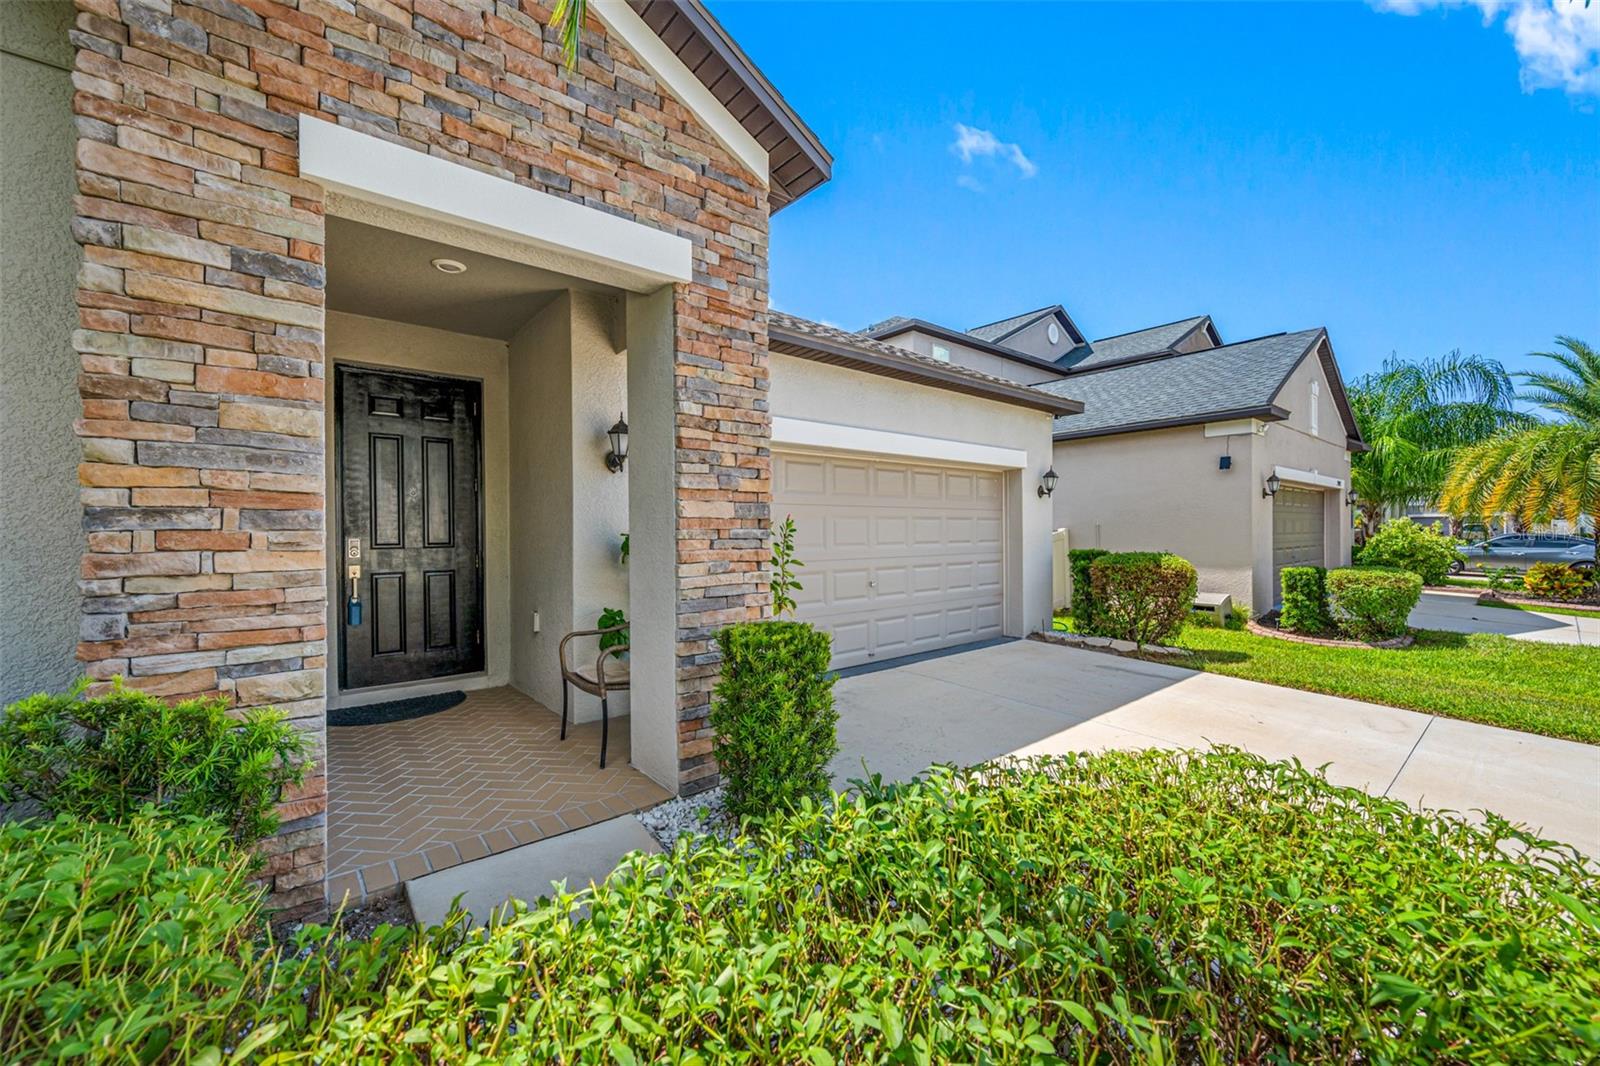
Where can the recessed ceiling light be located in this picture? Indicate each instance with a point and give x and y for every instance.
(449, 266)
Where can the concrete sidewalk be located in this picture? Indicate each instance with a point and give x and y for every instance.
(1028, 697)
(1459, 612)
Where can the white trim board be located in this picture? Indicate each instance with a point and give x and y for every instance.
(668, 69)
(804, 433)
(1307, 477)
(374, 170)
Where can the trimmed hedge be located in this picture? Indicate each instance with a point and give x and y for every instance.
(1372, 602)
(1079, 560)
(1556, 581)
(1305, 598)
(773, 714)
(1118, 908)
(1404, 544)
(105, 757)
(1144, 597)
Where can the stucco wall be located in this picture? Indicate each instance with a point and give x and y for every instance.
(823, 393)
(568, 382)
(380, 343)
(41, 521)
(1162, 490)
(1035, 340)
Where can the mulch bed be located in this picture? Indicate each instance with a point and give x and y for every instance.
(1267, 627)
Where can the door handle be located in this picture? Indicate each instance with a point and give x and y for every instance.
(353, 607)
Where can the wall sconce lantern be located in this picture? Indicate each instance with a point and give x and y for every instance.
(1273, 484)
(619, 446)
(1351, 497)
(1049, 486)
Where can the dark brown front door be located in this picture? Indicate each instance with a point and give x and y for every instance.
(408, 455)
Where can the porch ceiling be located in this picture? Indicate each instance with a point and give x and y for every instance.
(383, 273)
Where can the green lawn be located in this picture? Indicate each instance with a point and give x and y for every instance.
(1552, 689)
(1576, 612)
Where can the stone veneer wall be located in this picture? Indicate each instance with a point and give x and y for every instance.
(201, 297)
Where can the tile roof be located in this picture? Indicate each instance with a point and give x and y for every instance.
(1183, 389)
(1127, 345)
(799, 329)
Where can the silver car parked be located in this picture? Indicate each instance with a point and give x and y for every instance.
(1522, 550)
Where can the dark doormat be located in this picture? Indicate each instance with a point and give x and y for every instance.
(394, 710)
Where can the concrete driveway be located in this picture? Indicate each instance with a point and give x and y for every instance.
(1458, 612)
(1027, 697)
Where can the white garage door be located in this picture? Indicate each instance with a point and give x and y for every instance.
(1296, 532)
(899, 557)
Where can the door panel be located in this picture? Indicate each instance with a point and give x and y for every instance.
(1297, 532)
(899, 557)
(409, 488)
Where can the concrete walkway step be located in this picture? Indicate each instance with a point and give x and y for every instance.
(579, 858)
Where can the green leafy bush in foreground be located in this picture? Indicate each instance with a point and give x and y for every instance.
(105, 757)
(1125, 907)
(1372, 602)
(1116, 908)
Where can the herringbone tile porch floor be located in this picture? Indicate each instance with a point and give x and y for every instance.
(407, 798)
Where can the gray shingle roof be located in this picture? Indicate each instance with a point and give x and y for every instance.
(995, 330)
(1182, 389)
(1127, 345)
(787, 328)
(887, 324)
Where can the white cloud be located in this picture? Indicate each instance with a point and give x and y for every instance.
(967, 181)
(972, 143)
(1558, 41)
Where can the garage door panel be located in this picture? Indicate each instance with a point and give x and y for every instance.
(851, 479)
(899, 557)
(1297, 532)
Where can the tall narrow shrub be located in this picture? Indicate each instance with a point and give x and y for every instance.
(773, 714)
(1305, 607)
(1078, 561)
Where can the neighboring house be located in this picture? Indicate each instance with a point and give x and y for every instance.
(343, 307)
(1182, 439)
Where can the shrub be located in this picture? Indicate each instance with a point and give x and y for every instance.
(1422, 550)
(1372, 602)
(1144, 597)
(102, 758)
(123, 941)
(1556, 581)
(783, 583)
(773, 715)
(1078, 561)
(1124, 907)
(1305, 608)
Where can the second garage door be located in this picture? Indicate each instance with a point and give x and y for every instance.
(1296, 532)
(899, 557)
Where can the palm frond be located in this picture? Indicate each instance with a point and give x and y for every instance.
(569, 16)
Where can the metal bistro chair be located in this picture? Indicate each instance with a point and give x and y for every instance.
(609, 674)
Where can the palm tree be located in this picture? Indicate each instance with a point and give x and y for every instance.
(569, 16)
(1416, 417)
(1550, 469)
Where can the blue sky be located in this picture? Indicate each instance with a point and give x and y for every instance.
(1416, 181)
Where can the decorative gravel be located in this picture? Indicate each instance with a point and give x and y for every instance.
(698, 815)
